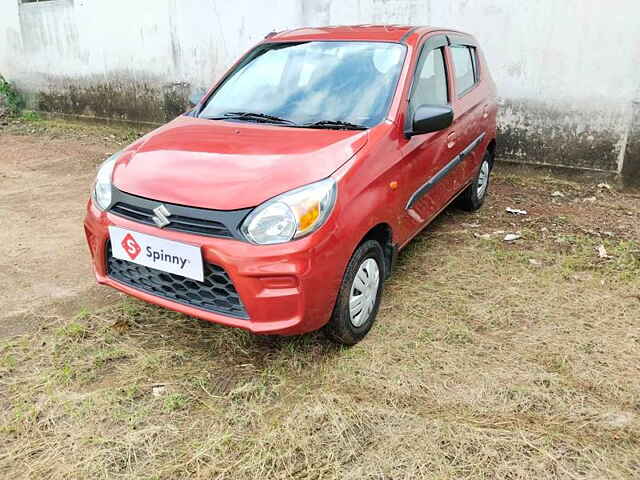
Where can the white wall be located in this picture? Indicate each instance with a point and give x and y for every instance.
(567, 71)
(173, 40)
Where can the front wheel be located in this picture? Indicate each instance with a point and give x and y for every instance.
(359, 297)
(473, 196)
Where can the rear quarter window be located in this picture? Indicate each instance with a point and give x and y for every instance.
(463, 65)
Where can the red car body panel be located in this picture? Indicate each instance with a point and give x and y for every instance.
(291, 288)
(225, 166)
(379, 33)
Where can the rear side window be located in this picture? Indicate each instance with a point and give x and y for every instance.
(464, 66)
(431, 80)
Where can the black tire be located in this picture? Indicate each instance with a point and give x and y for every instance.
(470, 199)
(340, 327)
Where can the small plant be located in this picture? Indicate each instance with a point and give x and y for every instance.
(83, 314)
(72, 330)
(8, 361)
(31, 116)
(65, 374)
(11, 101)
(175, 401)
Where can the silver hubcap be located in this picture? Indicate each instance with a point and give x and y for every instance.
(483, 179)
(364, 292)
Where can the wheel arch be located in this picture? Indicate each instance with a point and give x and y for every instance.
(383, 234)
(491, 149)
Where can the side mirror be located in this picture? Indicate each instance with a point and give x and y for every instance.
(430, 118)
(196, 96)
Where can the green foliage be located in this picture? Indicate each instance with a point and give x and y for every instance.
(31, 116)
(175, 401)
(72, 330)
(10, 99)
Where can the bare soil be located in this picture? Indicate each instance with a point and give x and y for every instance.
(46, 172)
(490, 359)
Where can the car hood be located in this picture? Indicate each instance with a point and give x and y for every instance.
(228, 165)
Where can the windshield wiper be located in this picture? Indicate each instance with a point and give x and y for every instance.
(251, 116)
(335, 124)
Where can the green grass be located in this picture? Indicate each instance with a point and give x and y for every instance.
(30, 116)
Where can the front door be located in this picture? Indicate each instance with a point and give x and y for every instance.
(427, 156)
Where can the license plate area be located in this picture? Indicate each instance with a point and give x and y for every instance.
(155, 252)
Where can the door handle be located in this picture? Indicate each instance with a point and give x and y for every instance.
(485, 111)
(451, 140)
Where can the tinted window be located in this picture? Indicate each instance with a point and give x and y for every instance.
(463, 66)
(431, 80)
(314, 81)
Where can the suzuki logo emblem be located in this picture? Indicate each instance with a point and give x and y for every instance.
(161, 214)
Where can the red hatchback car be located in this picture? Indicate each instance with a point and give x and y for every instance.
(278, 204)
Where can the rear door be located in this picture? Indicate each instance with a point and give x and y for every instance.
(468, 103)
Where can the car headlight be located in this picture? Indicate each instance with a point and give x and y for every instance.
(291, 215)
(102, 187)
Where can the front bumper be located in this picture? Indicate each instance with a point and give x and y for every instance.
(286, 289)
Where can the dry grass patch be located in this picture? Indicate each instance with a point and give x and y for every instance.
(77, 130)
(489, 360)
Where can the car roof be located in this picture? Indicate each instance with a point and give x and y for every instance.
(381, 33)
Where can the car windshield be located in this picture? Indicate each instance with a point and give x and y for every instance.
(321, 84)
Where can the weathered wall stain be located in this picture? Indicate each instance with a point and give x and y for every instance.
(631, 166)
(558, 134)
(175, 98)
(119, 97)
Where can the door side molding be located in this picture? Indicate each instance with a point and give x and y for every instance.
(443, 172)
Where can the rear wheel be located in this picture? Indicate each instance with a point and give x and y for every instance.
(359, 297)
(473, 197)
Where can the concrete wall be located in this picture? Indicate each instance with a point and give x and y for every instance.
(568, 71)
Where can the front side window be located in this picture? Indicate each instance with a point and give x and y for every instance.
(309, 82)
(430, 80)
(463, 66)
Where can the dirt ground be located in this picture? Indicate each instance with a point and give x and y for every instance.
(46, 172)
(490, 359)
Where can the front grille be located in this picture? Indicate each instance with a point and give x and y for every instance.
(215, 294)
(182, 218)
(178, 222)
